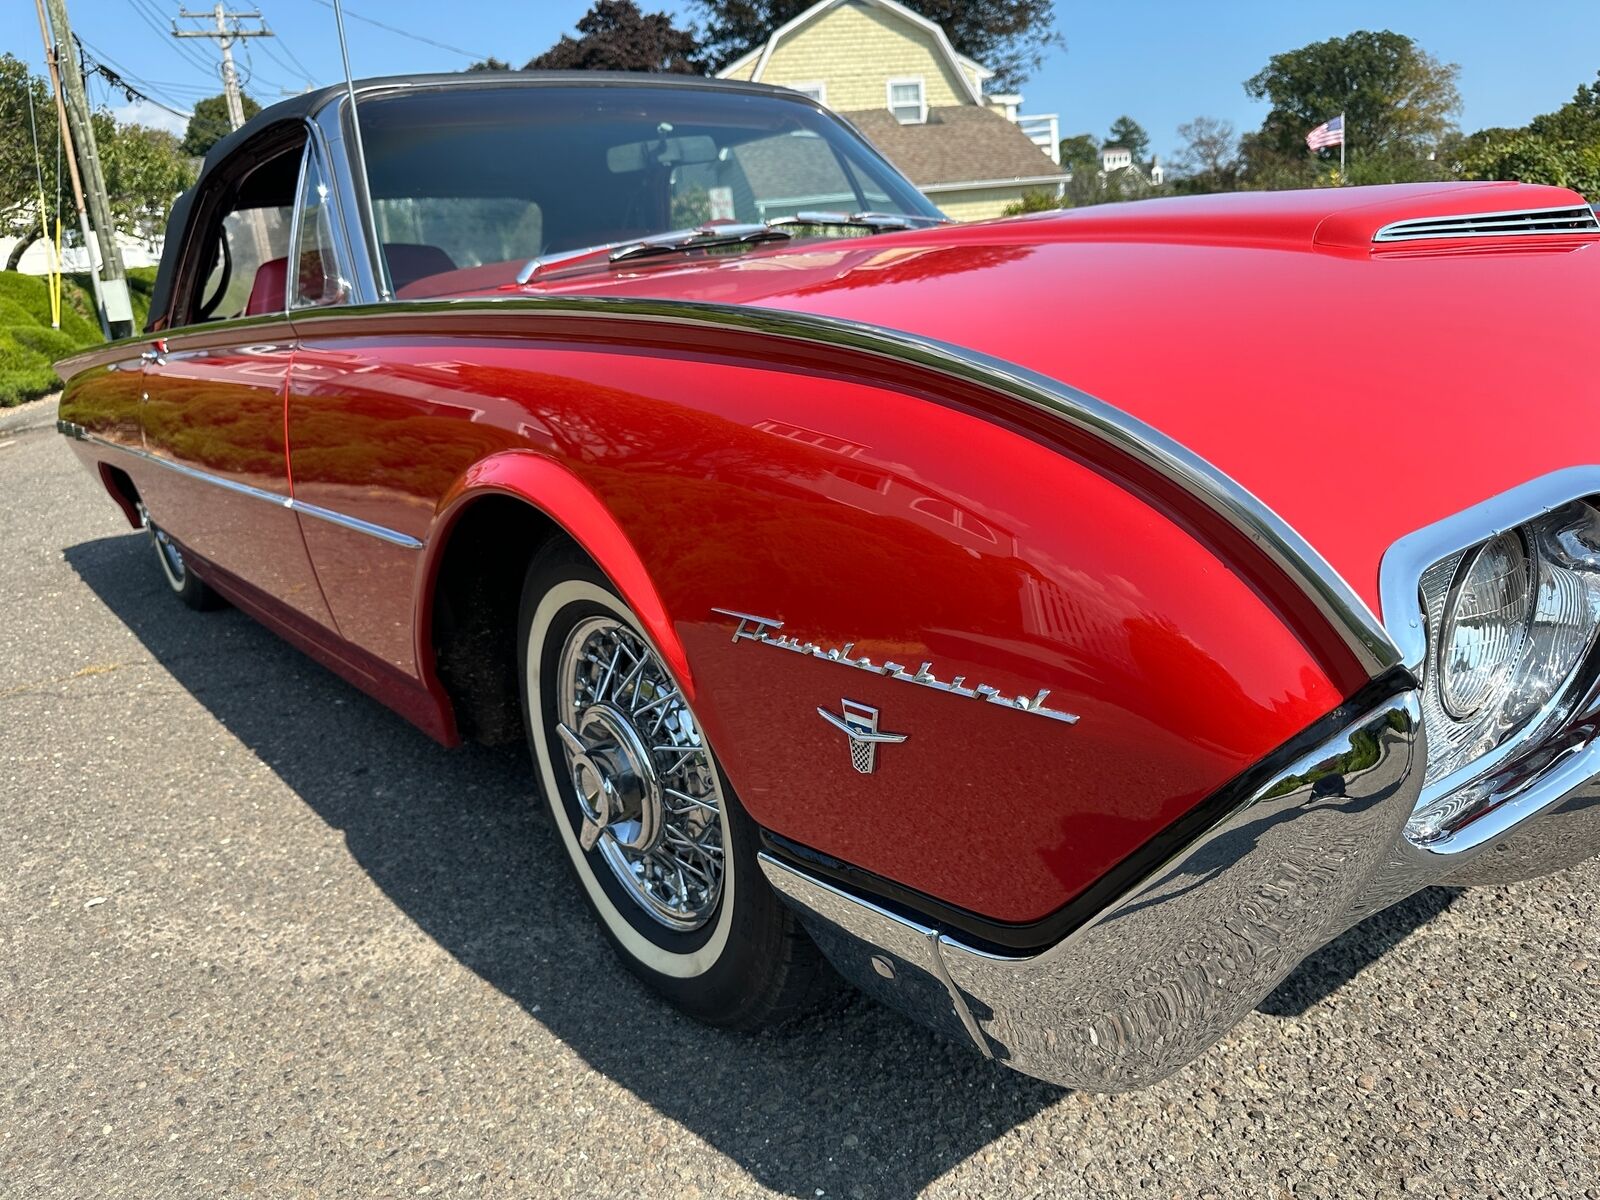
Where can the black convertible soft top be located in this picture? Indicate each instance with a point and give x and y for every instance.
(307, 104)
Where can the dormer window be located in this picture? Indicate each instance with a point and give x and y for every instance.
(816, 90)
(907, 101)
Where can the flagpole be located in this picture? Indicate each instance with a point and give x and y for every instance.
(1344, 135)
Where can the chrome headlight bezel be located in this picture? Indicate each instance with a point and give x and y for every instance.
(1554, 663)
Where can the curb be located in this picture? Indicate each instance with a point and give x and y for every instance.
(36, 414)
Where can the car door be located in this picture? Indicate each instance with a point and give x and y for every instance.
(377, 434)
(215, 386)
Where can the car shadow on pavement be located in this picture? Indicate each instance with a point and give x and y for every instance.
(853, 1098)
(1342, 959)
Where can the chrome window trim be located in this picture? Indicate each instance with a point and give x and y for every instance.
(330, 124)
(276, 499)
(291, 263)
(1507, 223)
(336, 225)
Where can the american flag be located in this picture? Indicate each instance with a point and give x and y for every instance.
(1329, 133)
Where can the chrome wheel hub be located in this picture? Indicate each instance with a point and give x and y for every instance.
(615, 778)
(649, 800)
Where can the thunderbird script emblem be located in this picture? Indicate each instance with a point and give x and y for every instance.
(859, 723)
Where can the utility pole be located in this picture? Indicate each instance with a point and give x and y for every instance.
(228, 30)
(72, 166)
(116, 310)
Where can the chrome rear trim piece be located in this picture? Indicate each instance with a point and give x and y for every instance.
(1161, 973)
(1574, 219)
(276, 499)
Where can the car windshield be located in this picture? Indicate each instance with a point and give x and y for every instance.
(467, 177)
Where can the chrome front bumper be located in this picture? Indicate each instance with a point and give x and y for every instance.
(1160, 974)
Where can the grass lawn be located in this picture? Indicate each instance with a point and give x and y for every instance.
(29, 345)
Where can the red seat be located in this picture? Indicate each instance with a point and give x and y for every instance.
(268, 290)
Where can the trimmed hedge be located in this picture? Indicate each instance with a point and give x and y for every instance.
(29, 346)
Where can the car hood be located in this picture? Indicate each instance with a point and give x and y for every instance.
(1359, 389)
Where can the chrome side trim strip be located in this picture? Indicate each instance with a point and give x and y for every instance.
(1163, 972)
(276, 499)
(1345, 611)
(381, 532)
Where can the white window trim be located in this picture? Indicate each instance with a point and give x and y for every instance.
(819, 86)
(922, 92)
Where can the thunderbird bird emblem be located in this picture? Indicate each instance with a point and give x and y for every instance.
(859, 723)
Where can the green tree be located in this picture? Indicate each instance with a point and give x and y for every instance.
(19, 122)
(1578, 120)
(1526, 156)
(1560, 148)
(1399, 105)
(20, 171)
(1034, 200)
(210, 124)
(1010, 37)
(145, 171)
(1131, 135)
(616, 36)
(1080, 152)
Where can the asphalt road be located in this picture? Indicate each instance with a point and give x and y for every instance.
(259, 937)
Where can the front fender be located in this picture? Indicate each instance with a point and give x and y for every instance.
(547, 486)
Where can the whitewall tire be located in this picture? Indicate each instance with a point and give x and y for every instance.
(663, 854)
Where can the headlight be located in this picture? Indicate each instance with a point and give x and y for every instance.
(1511, 622)
(1485, 624)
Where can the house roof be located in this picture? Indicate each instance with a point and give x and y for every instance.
(959, 63)
(958, 144)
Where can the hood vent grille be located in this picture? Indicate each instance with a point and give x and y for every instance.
(1577, 219)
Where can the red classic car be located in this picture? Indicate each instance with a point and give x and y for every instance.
(1062, 625)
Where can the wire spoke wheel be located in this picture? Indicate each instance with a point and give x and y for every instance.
(648, 793)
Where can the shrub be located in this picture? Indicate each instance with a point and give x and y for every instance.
(28, 345)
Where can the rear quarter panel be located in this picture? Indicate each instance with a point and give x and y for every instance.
(857, 512)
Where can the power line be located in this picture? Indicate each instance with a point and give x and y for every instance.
(148, 14)
(250, 73)
(229, 29)
(120, 77)
(295, 59)
(266, 48)
(406, 33)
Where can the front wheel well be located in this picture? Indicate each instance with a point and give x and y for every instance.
(477, 593)
(119, 486)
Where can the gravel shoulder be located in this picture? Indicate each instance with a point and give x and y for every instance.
(261, 937)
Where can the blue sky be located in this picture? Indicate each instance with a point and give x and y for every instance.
(1162, 61)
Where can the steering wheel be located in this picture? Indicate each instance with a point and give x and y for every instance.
(210, 306)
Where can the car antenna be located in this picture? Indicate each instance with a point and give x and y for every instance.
(381, 268)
